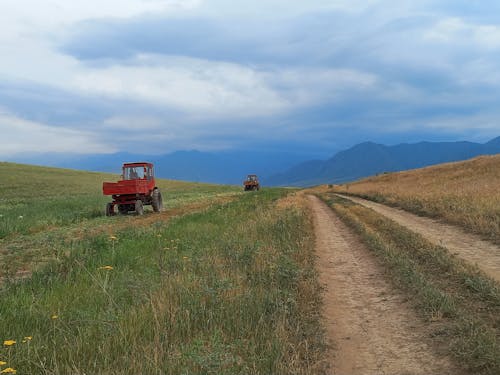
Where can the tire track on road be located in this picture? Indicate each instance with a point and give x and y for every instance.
(466, 246)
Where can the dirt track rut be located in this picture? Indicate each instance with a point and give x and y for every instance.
(372, 328)
(466, 246)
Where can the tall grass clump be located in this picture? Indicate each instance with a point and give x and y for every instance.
(231, 290)
(462, 193)
(460, 302)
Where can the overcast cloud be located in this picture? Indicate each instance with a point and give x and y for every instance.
(155, 76)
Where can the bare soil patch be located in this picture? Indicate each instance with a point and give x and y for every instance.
(371, 326)
(467, 246)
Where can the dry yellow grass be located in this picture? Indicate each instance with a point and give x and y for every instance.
(463, 193)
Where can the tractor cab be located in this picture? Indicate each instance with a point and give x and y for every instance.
(251, 183)
(137, 171)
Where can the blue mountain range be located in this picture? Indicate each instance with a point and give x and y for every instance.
(367, 159)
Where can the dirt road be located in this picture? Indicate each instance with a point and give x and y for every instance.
(469, 247)
(370, 325)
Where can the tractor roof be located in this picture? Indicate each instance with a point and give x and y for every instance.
(137, 164)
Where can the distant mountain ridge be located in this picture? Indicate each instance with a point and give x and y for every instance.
(223, 167)
(368, 158)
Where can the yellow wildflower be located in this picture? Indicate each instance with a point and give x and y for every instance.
(9, 342)
(53, 317)
(185, 258)
(8, 370)
(2, 363)
(107, 268)
(113, 238)
(27, 338)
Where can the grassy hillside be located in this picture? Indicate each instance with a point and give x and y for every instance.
(36, 198)
(221, 283)
(463, 193)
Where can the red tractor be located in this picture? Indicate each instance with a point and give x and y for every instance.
(136, 189)
(251, 183)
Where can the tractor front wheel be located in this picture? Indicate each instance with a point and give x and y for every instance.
(139, 208)
(110, 209)
(157, 200)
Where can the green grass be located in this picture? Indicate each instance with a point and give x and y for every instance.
(33, 199)
(460, 302)
(230, 290)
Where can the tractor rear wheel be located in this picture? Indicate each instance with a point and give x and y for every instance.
(139, 208)
(157, 200)
(110, 209)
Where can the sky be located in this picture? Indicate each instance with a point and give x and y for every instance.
(312, 77)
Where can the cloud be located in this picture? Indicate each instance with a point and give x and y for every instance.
(457, 31)
(132, 123)
(58, 12)
(273, 31)
(212, 74)
(192, 86)
(23, 136)
(213, 89)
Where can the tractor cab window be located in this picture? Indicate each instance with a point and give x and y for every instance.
(149, 173)
(252, 178)
(133, 173)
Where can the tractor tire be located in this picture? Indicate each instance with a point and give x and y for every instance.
(139, 207)
(123, 209)
(157, 200)
(110, 209)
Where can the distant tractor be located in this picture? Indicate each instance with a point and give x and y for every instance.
(251, 183)
(136, 189)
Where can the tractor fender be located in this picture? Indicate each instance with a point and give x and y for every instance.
(150, 193)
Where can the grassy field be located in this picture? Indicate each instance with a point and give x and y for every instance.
(33, 199)
(224, 287)
(461, 304)
(462, 193)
